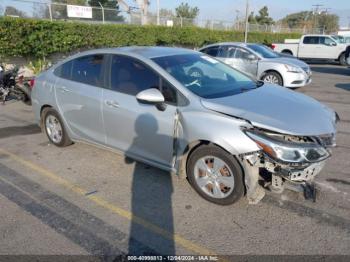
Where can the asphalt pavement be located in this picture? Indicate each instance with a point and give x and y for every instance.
(83, 200)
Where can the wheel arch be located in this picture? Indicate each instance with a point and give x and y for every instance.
(43, 107)
(272, 71)
(287, 51)
(191, 147)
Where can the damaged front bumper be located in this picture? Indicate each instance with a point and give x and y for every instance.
(264, 169)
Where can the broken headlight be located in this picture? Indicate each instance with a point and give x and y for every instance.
(288, 151)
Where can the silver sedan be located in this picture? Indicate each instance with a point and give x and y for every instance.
(189, 114)
(262, 63)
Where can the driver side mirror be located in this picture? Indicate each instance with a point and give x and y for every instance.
(332, 43)
(152, 96)
(251, 57)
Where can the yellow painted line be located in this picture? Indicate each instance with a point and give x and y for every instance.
(187, 244)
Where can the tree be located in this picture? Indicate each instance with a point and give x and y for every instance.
(12, 11)
(110, 15)
(295, 20)
(329, 23)
(251, 18)
(186, 11)
(263, 18)
(309, 20)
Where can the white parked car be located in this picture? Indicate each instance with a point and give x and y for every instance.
(314, 47)
(262, 63)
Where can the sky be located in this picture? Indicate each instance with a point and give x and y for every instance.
(226, 9)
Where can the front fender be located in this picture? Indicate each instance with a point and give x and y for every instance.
(222, 130)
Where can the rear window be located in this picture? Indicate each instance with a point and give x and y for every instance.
(86, 69)
(212, 51)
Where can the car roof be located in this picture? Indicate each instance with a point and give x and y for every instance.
(241, 44)
(144, 51)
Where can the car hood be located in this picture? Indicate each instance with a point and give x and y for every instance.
(289, 61)
(277, 109)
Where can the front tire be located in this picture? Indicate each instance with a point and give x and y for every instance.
(54, 128)
(215, 175)
(342, 60)
(273, 78)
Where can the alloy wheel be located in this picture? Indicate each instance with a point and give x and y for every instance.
(54, 129)
(271, 79)
(214, 177)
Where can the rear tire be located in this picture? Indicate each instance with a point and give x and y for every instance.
(222, 182)
(287, 52)
(54, 128)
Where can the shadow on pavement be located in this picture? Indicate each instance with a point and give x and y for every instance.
(11, 131)
(340, 70)
(343, 86)
(151, 191)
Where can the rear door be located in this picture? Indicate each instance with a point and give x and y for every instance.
(79, 93)
(141, 130)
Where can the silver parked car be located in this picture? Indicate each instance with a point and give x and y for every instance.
(262, 63)
(219, 128)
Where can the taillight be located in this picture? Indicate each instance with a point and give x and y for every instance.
(31, 83)
(273, 46)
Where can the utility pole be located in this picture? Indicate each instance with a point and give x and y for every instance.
(237, 20)
(246, 22)
(103, 13)
(158, 18)
(316, 7)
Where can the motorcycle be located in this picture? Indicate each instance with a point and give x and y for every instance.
(15, 86)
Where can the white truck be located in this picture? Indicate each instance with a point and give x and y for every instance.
(321, 47)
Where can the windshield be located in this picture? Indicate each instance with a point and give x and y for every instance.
(264, 51)
(339, 39)
(205, 76)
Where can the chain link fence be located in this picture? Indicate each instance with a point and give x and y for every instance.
(58, 11)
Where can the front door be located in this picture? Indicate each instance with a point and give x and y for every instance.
(140, 130)
(240, 59)
(246, 61)
(329, 48)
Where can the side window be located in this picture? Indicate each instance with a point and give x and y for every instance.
(311, 40)
(212, 51)
(326, 41)
(227, 51)
(130, 76)
(242, 54)
(88, 70)
(65, 70)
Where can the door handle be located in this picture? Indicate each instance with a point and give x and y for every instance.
(112, 103)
